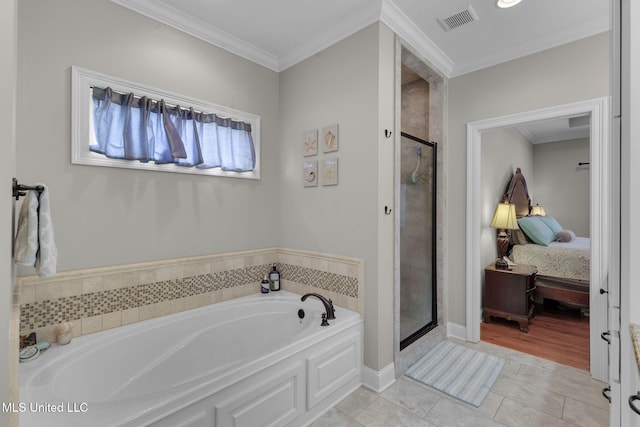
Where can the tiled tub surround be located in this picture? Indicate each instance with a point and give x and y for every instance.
(103, 298)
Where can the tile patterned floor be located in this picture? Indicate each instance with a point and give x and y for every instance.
(530, 392)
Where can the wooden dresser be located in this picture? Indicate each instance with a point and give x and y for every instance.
(509, 293)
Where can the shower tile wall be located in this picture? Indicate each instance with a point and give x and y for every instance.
(107, 297)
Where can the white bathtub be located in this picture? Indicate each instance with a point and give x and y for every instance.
(249, 361)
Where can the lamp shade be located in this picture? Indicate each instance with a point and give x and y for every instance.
(538, 210)
(505, 217)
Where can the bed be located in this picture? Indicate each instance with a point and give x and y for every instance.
(563, 266)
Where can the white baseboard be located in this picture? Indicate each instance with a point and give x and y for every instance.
(456, 331)
(378, 381)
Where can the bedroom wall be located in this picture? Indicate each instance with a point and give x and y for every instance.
(106, 216)
(562, 187)
(503, 151)
(573, 72)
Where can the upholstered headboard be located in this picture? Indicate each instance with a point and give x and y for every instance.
(517, 194)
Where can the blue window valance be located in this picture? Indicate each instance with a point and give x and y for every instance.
(139, 128)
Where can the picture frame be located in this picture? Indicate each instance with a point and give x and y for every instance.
(310, 142)
(330, 171)
(329, 138)
(310, 173)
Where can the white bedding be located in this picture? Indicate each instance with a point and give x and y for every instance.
(569, 260)
(580, 243)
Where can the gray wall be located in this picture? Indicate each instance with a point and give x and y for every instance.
(562, 187)
(340, 85)
(569, 73)
(106, 216)
(503, 151)
(8, 74)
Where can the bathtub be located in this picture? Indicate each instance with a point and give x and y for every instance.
(251, 361)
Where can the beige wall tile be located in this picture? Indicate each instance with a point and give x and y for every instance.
(148, 276)
(197, 269)
(92, 284)
(91, 325)
(111, 320)
(47, 291)
(147, 312)
(71, 287)
(130, 315)
(26, 294)
(120, 280)
(163, 274)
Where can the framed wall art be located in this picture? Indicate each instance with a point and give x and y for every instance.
(310, 173)
(310, 139)
(330, 171)
(329, 138)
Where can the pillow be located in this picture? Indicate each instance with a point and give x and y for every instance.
(536, 230)
(518, 238)
(552, 223)
(564, 236)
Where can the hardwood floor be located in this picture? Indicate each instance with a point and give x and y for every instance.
(554, 334)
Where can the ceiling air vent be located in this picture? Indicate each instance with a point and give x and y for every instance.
(458, 19)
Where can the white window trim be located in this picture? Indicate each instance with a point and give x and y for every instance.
(82, 135)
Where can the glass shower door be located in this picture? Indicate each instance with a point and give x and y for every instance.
(417, 238)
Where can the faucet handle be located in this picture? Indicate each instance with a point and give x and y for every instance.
(332, 311)
(324, 320)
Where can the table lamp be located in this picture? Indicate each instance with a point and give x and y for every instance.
(504, 219)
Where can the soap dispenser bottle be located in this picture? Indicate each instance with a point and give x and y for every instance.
(274, 279)
(264, 287)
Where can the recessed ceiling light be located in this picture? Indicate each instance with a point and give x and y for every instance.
(507, 3)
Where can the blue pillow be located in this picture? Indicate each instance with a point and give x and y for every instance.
(536, 230)
(552, 224)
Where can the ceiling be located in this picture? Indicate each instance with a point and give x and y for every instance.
(555, 130)
(279, 33)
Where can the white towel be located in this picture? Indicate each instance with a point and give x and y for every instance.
(34, 243)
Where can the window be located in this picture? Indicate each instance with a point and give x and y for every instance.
(122, 124)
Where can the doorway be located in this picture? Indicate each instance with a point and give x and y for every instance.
(597, 110)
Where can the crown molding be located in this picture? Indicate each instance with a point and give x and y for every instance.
(587, 29)
(386, 12)
(335, 34)
(404, 27)
(177, 19)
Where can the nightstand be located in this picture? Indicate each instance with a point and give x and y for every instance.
(509, 293)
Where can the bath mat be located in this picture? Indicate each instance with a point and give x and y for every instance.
(458, 371)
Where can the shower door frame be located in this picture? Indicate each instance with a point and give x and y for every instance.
(434, 284)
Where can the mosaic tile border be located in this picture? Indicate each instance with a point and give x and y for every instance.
(110, 297)
(328, 281)
(52, 312)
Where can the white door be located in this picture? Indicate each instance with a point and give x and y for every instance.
(624, 292)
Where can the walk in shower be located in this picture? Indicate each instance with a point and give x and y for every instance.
(419, 222)
(418, 307)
